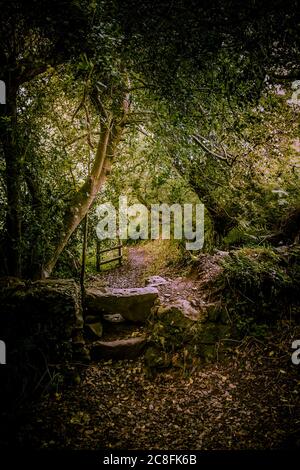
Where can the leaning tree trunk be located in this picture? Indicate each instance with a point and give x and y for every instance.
(110, 136)
(81, 201)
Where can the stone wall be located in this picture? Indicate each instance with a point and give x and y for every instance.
(42, 325)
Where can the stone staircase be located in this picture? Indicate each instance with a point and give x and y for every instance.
(117, 316)
(115, 319)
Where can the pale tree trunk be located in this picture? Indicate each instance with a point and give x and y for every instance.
(110, 136)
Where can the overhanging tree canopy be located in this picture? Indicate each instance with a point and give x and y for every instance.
(126, 58)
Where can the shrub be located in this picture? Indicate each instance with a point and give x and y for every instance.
(260, 285)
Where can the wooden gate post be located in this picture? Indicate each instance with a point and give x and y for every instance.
(99, 252)
(120, 254)
(98, 255)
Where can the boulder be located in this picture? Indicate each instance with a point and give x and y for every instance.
(187, 309)
(173, 315)
(180, 313)
(119, 349)
(133, 304)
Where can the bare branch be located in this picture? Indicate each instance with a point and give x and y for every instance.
(209, 151)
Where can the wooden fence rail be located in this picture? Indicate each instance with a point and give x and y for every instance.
(99, 252)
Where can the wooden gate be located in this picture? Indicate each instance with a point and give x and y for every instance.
(99, 252)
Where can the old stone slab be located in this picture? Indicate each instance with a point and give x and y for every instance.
(133, 304)
(119, 349)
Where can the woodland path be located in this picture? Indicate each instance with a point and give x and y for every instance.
(243, 402)
(137, 267)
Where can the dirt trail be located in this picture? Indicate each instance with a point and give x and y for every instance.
(135, 271)
(243, 402)
(131, 273)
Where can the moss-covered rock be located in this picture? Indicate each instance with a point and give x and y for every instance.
(209, 336)
(171, 332)
(41, 323)
(156, 358)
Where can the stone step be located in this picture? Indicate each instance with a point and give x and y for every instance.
(129, 348)
(133, 304)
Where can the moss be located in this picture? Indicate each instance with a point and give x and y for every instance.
(179, 341)
(155, 358)
(170, 329)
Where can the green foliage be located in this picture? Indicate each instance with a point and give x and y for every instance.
(259, 286)
(170, 342)
(209, 122)
(171, 330)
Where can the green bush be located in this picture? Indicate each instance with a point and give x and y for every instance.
(260, 285)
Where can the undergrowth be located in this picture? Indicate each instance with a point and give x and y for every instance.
(259, 286)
